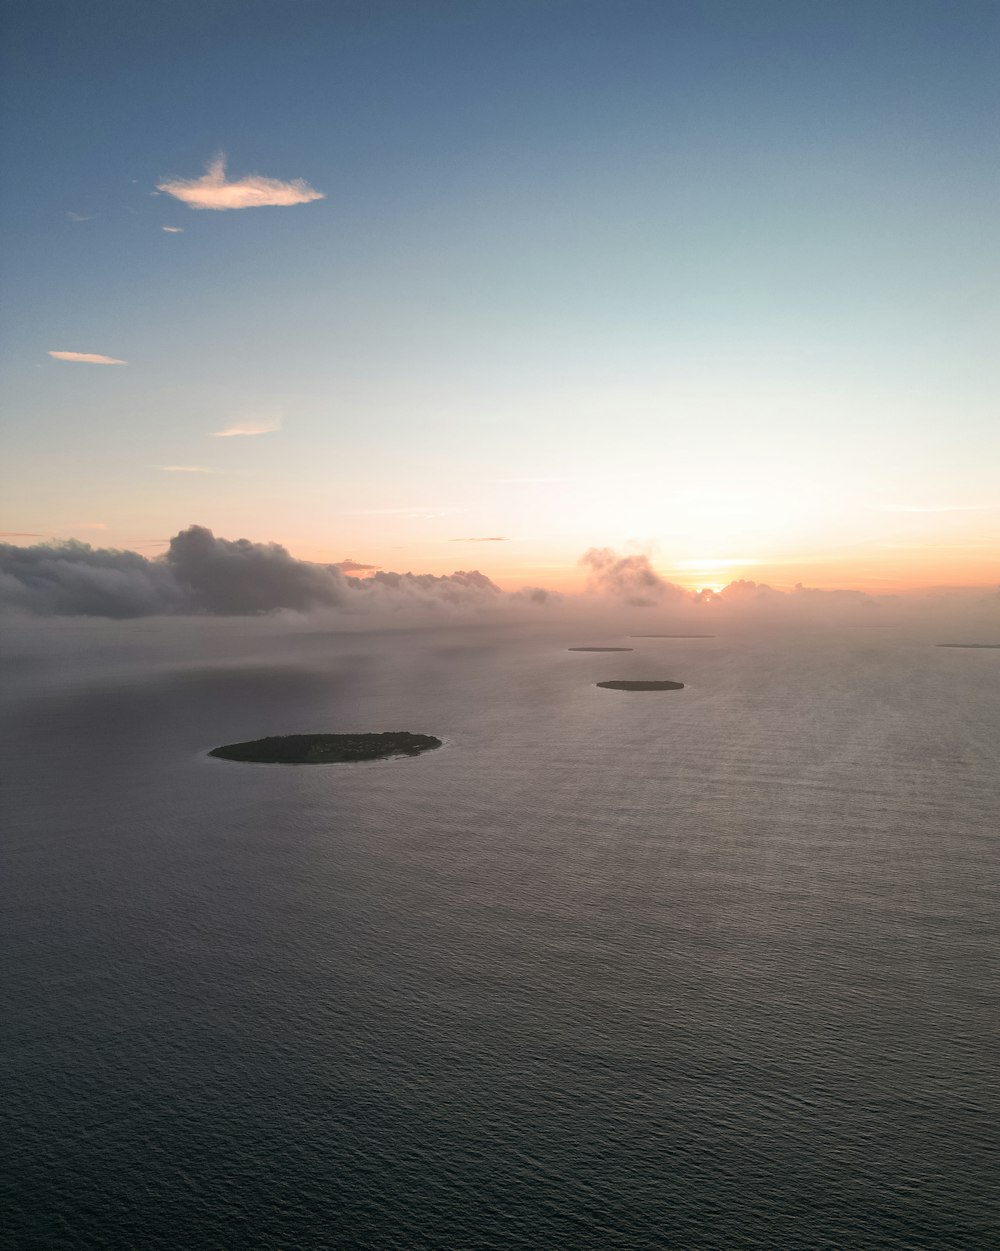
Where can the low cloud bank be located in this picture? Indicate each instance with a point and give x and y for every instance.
(202, 574)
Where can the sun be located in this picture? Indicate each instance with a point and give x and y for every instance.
(710, 573)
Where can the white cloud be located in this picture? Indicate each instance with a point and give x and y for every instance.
(86, 358)
(173, 230)
(80, 217)
(267, 426)
(213, 191)
(185, 469)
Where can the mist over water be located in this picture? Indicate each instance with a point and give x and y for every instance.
(704, 968)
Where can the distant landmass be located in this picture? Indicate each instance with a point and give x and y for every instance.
(974, 645)
(672, 636)
(641, 686)
(600, 649)
(327, 748)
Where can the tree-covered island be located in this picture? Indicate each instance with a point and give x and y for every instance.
(327, 748)
(641, 686)
(600, 649)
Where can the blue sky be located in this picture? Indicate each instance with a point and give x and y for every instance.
(714, 280)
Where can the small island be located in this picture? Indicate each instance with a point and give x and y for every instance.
(600, 649)
(641, 686)
(974, 646)
(327, 748)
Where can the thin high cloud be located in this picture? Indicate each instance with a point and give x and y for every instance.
(214, 191)
(86, 358)
(936, 508)
(173, 230)
(417, 512)
(267, 426)
(186, 469)
(486, 538)
(80, 217)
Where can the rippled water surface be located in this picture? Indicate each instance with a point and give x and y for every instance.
(710, 968)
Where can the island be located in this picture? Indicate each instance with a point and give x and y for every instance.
(600, 649)
(641, 686)
(327, 748)
(974, 646)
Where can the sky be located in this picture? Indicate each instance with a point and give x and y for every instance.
(485, 285)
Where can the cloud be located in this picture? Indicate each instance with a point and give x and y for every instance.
(489, 538)
(213, 191)
(536, 595)
(186, 469)
(200, 574)
(91, 525)
(86, 358)
(936, 508)
(80, 217)
(73, 579)
(353, 566)
(267, 426)
(629, 578)
(173, 230)
(22, 534)
(412, 511)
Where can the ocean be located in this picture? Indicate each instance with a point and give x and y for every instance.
(697, 969)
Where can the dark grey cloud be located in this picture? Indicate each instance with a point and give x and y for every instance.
(202, 574)
(237, 577)
(75, 579)
(347, 565)
(631, 579)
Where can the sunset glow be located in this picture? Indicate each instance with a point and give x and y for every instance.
(722, 321)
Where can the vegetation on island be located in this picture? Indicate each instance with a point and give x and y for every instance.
(327, 748)
(642, 686)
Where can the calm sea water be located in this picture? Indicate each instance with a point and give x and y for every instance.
(714, 968)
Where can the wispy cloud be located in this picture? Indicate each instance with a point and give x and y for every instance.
(22, 534)
(525, 481)
(91, 525)
(86, 358)
(936, 508)
(80, 217)
(413, 511)
(487, 538)
(353, 566)
(213, 191)
(186, 469)
(266, 426)
(173, 230)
